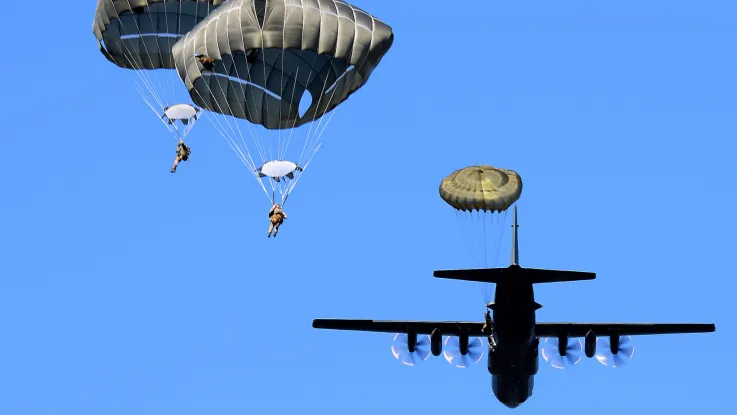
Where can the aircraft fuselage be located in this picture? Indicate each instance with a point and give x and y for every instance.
(514, 362)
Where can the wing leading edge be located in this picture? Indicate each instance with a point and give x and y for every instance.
(448, 328)
(623, 329)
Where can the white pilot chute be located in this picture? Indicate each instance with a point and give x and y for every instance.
(279, 170)
(180, 118)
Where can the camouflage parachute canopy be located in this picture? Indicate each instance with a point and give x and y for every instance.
(481, 187)
(139, 34)
(268, 54)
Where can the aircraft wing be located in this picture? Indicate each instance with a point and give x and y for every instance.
(447, 328)
(624, 329)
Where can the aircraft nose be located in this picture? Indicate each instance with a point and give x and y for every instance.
(511, 391)
(511, 405)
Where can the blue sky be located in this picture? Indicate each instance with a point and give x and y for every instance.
(129, 290)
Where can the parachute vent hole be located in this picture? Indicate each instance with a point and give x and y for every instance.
(304, 103)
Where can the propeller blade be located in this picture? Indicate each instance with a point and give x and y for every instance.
(551, 354)
(400, 349)
(624, 353)
(452, 351)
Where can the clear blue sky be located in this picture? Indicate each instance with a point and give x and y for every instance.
(129, 290)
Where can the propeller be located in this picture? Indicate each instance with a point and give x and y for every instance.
(551, 352)
(452, 351)
(400, 349)
(625, 351)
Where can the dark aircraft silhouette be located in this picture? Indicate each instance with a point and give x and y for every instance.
(513, 361)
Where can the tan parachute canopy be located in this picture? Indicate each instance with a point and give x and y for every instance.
(481, 187)
(139, 34)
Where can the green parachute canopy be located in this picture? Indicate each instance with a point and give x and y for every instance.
(268, 55)
(139, 34)
(265, 68)
(481, 187)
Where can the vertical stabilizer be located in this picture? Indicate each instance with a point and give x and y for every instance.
(495, 275)
(515, 244)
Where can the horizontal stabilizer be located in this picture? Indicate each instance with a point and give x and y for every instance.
(532, 275)
(490, 275)
(540, 276)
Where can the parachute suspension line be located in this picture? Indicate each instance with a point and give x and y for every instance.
(279, 153)
(141, 74)
(254, 136)
(312, 69)
(237, 131)
(166, 24)
(246, 159)
(319, 135)
(312, 153)
(143, 96)
(500, 230)
(263, 53)
(305, 163)
(503, 231)
(283, 153)
(145, 48)
(252, 164)
(243, 158)
(144, 78)
(259, 146)
(314, 116)
(158, 45)
(153, 94)
(486, 259)
(317, 144)
(309, 76)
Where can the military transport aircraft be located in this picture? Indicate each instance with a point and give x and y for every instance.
(515, 335)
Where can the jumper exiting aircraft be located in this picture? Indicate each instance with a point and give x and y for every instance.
(513, 333)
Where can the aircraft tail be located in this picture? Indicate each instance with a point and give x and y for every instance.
(494, 275)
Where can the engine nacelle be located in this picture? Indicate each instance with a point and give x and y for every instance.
(590, 344)
(463, 343)
(614, 343)
(411, 339)
(436, 342)
(562, 345)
